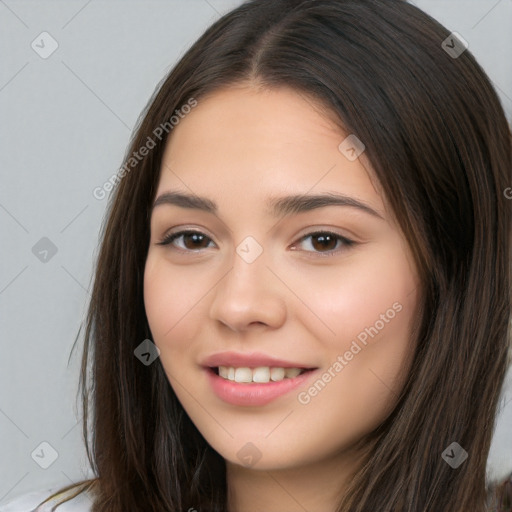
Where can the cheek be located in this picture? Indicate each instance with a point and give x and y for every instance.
(369, 311)
(362, 379)
(171, 299)
(371, 296)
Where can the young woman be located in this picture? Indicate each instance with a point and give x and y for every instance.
(302, 298)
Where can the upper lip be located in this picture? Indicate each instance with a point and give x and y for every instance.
(251, 360)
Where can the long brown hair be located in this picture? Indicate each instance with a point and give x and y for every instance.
(438, 141)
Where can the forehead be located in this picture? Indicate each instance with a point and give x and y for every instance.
(259, 116)
(259, 142)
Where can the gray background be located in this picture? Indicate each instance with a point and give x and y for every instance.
(65, 124)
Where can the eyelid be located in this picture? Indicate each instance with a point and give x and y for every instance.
(179, 230)
(169, 237)
(347, 243)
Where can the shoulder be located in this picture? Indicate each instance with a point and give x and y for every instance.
(31, 502)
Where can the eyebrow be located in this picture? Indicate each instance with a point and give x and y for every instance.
(278, 206)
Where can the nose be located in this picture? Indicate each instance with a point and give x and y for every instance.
(249, 295)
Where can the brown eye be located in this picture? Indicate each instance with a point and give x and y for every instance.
(191, 240)
(326, 242)
(322, 242)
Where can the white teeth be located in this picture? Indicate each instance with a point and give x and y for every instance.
(243, 375)
(262, 374)
(277, 374)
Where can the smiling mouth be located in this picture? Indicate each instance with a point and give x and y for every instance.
(260, 374)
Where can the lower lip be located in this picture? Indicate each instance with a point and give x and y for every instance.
(253, 394)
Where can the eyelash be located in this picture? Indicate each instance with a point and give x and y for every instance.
(347, 243)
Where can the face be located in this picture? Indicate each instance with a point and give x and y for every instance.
(308, 304)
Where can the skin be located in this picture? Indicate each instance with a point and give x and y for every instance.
(238, 147)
